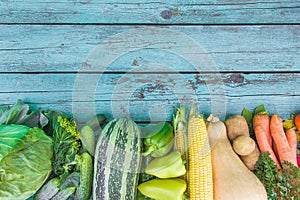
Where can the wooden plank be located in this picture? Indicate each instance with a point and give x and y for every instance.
(160, 110)
(144, 95)
(55, 48)
(151, 12)
(152, 86)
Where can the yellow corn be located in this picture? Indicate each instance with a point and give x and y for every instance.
(180, 127)
(200, 166)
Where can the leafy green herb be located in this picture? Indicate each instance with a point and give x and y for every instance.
(247, 114)
(66, 143)
(279, 183)
(261, 110)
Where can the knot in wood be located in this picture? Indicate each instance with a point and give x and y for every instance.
(166, 14)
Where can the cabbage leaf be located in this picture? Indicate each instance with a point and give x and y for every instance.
(25, 162)
(10, 135)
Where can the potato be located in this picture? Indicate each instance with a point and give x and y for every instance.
(247, 149)
(236, 125)
(251, 159)
(243, 145)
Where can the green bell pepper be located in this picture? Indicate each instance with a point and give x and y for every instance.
(159, 139)
(169, 166)
(163, 189)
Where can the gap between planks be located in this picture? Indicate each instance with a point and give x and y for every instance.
(147, 24)
(157, 72)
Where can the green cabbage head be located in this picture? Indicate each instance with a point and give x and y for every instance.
(25, 160)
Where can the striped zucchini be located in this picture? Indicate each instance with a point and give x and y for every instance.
(117, 161)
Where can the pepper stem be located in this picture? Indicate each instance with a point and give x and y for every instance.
(185, 196)
(149, 150)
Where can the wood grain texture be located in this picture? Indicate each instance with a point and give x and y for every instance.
(151, 86)
(155, 110)
(151, 12)
(226, 55)
(152, 97)
(64, 48)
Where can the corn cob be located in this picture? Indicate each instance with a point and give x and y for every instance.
(180, 128)
(200, 166)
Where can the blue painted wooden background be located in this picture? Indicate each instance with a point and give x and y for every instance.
(142, 58)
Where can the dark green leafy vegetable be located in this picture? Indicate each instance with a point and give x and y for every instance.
(25, 162)
(20, 113)
(279, 183)
(247, 114)
(66, 143)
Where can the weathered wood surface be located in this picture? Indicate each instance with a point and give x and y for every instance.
(143, 111)
(87, 56)
(151, 12)
(56, 48)
(152, 97)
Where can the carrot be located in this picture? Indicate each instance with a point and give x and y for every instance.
(297, 122)
(261, 127)
(284, 149)
(263, 121)
(275, 150)
(263, 145)
(292, 140)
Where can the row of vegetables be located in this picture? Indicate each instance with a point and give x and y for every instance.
(248, 156)
(48, 155)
